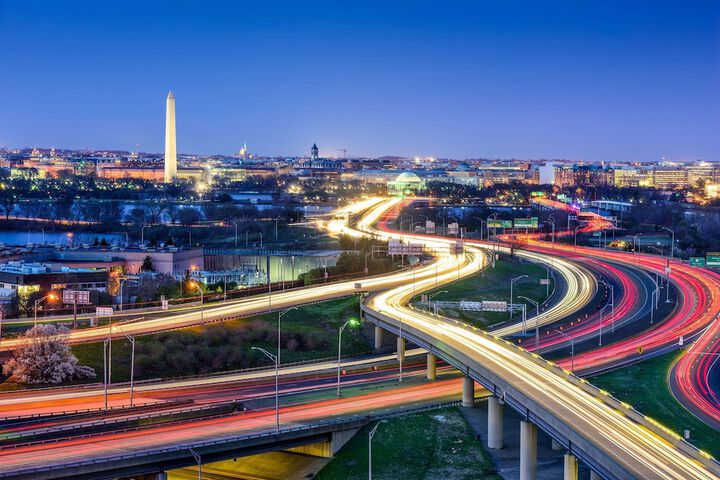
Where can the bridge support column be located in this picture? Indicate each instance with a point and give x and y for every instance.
(400, 348)
(528, 451)
(570, 467)
(468, 393)
(495, 423)
(594, 476)
(556, 446)
(431, 366)
(378, 337)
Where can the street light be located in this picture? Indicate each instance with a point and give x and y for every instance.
(575, 234)
(276, 360)
(351, 322)
(370, 437)
(50, 297)
(431, 297)
(672, 247)
(537, 319)
(512, 282)
(131, 339)
(236, 232)
(572, 349)
(636, 242)
(612, 300)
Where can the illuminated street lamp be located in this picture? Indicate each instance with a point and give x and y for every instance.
(672, 247)
(352, 322)
(50, 297)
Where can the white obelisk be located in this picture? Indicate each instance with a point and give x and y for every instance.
(170, 142)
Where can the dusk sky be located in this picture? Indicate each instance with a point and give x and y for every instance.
(584, 80)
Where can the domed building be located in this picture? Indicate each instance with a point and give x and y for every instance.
(406, 183)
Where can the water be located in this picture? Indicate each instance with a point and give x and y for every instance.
(23, 238)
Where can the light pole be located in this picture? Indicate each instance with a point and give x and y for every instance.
(370, 437)
(431, 297)
(572, 349)
(512, 282)
(236, 232)
(351, 322)
(635, 242)
(487, 225)
(198, 459)
(551, 219)
(672, 247)
(276, 360)
(537, 319)
(131, 339)
(612, 301)
(50, 296)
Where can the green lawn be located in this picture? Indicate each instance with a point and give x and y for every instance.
(494, 284)
(429, 445)
(227, 346)
(644, 386)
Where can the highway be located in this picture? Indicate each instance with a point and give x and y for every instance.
(641, 451)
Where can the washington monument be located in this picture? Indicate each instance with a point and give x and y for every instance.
(170, 142)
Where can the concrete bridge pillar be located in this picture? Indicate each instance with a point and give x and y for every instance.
(570, 467)
(556, 446)
(431, 366)
(594, 476)
(378, 337)
(400, 348)
(495, 423)
(528, 451)
(468, 392)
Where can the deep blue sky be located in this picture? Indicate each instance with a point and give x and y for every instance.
(593, 80)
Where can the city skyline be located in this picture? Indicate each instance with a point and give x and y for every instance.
(598, 83)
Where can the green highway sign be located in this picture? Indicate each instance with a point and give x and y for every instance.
(712, 259)
(697, 261)
(531, 222)
(500, 223)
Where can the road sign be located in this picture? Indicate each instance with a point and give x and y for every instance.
(697, 261)
(494, 306)
(531, 222)
(164, 304)
(500, 224)
(429, 227)
(712, 259)
(104, 311)
(453, 228)
(76, 296)
(640, 350)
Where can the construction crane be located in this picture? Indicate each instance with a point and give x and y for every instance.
(344, 150)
